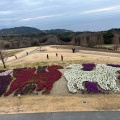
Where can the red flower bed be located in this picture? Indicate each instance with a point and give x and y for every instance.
(43, 79)
(54, 67)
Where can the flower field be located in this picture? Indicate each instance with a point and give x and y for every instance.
(88, 77)
(94, 76)
(30, 79)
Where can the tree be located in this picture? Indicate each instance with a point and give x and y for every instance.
(116, 42)
(34, 43)
(6, 46)
(108, 37)
(64, 38)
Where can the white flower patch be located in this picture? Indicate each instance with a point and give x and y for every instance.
(103, 75)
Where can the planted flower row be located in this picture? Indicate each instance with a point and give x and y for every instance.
(88, 66)
(114, 65)
(103, 75)
(44, 79)
(92, 87)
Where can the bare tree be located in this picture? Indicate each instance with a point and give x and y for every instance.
(40, 43)
(1, 54)
(116, 42)
(2, 59)
(99, 40)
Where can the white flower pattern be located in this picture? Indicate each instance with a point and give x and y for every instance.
(103, 75)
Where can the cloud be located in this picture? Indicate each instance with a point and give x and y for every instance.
(107, 10)
(57, 13)
(31, 2)
(9, 19)
(41, 17)
(6, 12)
(102, 10)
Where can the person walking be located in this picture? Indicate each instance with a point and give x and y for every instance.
(73, 50)
(61, 58)
(56, 55)
(27, 53)
(47, 56)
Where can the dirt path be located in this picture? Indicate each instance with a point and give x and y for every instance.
(23, 55)
(36, 56)
(49, 103)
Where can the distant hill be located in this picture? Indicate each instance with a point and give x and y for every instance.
(20, 30)
(19, 37)
(115, 30)
(29, 30)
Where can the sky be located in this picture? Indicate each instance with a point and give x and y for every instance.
(76, 15)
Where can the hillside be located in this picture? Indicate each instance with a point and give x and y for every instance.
(19, 37)
(29, 30)
(20, 30)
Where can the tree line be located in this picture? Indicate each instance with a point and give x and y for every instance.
(18, 41)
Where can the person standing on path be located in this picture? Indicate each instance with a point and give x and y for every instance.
(27, 53)
(56, 55)
(73, 50)
(47, 56)
(61, 58)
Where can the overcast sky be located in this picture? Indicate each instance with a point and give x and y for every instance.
(77, 15)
